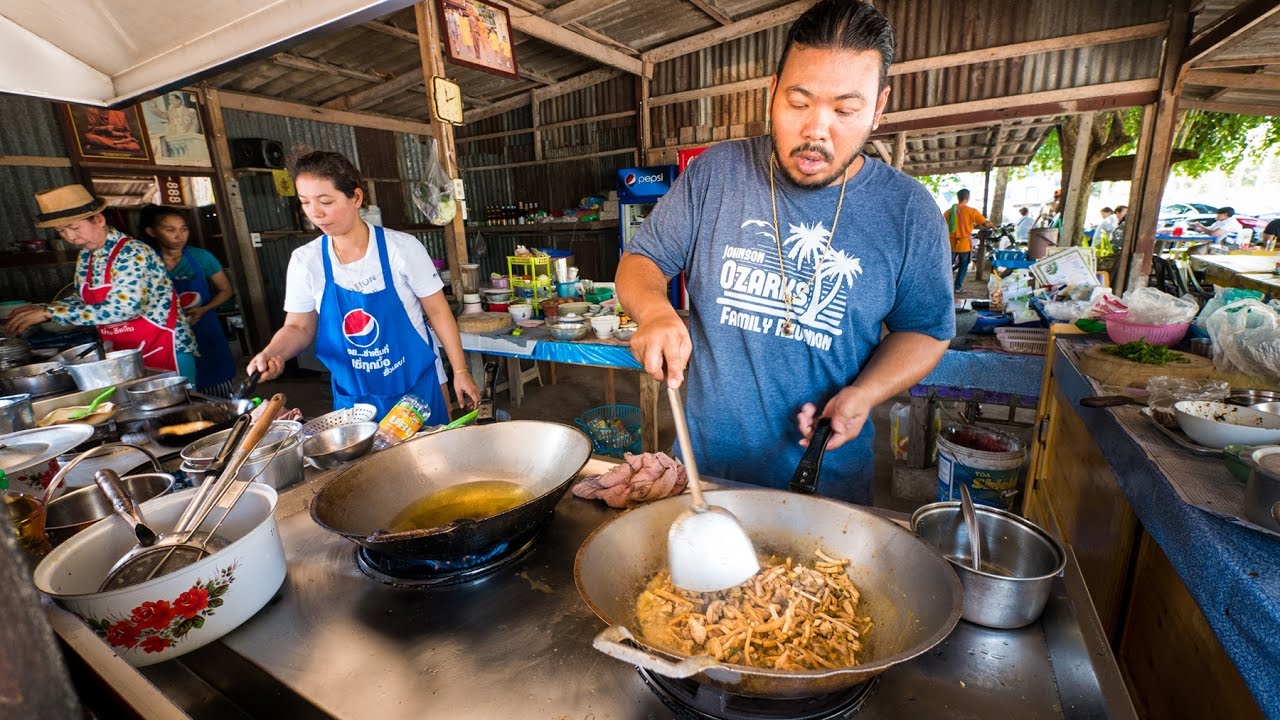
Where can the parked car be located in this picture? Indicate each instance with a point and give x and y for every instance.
(1188, 213)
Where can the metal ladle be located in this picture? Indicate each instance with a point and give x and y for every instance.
(707, 549)
(971, 521)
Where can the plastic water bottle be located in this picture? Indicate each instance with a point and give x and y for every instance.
(402, 422)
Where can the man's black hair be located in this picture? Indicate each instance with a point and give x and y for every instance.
(962, 196)
(843, 25)
(1228, 211)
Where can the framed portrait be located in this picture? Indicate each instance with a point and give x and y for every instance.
(174, 128)
(478, 35)
(103, 134)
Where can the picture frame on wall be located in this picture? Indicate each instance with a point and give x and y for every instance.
(175, 130)
(478, 35)
(99, 134)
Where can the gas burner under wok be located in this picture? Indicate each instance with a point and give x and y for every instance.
(404, 572)
(691, 700)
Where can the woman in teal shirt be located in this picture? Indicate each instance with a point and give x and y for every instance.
(202, 286)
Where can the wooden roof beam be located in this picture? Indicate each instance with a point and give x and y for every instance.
(371, 96)
(271, 106)
(1015, 50)
(1237, 24)
(755, 23)
(388, 29)
(715, 13)
(1231, 107)
(534, 26)
(573, 84)
(576, 10)
(1235, 81)
(1239, 62)
(298, 62)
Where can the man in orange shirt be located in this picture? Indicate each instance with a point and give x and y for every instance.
(961, 219)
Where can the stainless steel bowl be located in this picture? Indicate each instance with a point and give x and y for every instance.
(1248, 398)
(16, 413)
(157, 394)
(1267, 407)
(119, 366)
(1019, 562)
(277, 469)
(342, 444)
(77, 510)
(38, 379)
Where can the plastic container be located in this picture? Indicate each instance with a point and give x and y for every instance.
(1025, 341)
(613, 429)
(470, 278)
(402, 422)
(567, 289)
(1121, 331)
(988, 461)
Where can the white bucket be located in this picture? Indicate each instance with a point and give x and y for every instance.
(992, 475)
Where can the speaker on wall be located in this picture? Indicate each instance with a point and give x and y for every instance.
(257, 153)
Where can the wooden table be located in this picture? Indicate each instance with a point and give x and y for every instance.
(537, 344)
(1250, 272)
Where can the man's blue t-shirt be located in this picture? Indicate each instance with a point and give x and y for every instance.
(889, 264)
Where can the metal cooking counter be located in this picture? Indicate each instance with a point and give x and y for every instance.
(336, 644)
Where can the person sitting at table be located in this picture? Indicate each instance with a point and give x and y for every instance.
(1270, 233)
(1225, 229)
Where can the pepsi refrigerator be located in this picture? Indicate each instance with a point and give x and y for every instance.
(639, 189)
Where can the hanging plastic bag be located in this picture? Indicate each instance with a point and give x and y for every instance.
(433, 195)
(1246, 338)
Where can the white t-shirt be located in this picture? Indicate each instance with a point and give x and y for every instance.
(1231, 225)
(1023, 229)
(415, 276)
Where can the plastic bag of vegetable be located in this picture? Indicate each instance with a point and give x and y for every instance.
(433, 195)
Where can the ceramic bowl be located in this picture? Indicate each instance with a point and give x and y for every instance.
(173, 614)
(1217, 424)
(624, 334)
(520, 311)
(604, 325)
(574, 308)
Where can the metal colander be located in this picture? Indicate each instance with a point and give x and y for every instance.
(358, 413)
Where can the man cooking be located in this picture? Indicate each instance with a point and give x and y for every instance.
(122, 285)
(797, 250)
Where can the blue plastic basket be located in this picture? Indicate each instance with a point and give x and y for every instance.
(613, 429)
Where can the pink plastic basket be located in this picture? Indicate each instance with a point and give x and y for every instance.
(1122, 332)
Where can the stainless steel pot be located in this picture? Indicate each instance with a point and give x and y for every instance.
(909, 591)
(1262, 491)
(16, 413)
(37, 379)
(1019, 561)
(278, 456)
(119, 366)
(158, 393)
(81, 508)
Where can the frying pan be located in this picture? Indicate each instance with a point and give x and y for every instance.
(910, 592)
(362, 499)
(221, 414)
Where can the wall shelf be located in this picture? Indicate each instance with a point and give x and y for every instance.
(545, 228)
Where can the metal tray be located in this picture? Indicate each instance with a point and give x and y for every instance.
(1180, 438)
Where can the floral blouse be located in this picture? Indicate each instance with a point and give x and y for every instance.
(140, 286)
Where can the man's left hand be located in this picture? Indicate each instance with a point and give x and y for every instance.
(25, 318)
(848, 410)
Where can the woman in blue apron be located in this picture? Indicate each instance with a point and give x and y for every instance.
(202, 287)
(368, 297)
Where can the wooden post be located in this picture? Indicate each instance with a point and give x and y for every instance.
(455, 234)
(900, 150)
(996, 215)
(535, 112)
(243, 256)
(643, 127)
(1075, 193)
(1129, 264)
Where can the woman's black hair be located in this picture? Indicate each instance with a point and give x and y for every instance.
(843, 25)
(331, 166)
(150, 218)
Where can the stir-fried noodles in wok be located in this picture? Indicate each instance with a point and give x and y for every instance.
(788, 616)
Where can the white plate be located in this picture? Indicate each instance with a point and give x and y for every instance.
(29, 448)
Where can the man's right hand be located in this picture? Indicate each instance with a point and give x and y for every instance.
(663, 346)
(269, 365)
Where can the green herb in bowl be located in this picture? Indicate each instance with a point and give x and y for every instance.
(1141, 351)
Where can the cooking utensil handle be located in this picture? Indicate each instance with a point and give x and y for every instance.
(109, 482)
(686, 448)
(62, 471)
(618, 642)
(971, 522)
(248, 386)
(1100, 401)
(805, 480)
(211, 473)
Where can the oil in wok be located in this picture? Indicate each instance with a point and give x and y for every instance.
(475, 500)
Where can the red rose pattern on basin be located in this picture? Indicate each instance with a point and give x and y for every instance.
(156, 625)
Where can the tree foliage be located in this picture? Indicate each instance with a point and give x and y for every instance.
(1224, 141)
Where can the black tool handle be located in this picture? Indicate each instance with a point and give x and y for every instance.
(1107, 401)
(805, 480)
(248, 386)
(484, 410)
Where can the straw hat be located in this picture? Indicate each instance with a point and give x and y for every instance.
(65, 205)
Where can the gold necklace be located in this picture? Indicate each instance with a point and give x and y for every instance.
(787, 298)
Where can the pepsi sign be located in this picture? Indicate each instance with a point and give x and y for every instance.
(360, 328)
(645, 184)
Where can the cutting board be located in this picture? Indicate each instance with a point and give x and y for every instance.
(484, 322)
(1112, 370)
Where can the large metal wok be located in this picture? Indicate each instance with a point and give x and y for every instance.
(908, 589)
(362, 499)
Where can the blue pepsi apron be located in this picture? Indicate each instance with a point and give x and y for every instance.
(214, 364)
(369, 344)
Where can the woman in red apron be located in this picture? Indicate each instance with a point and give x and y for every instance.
(123, 288)
(368, 297)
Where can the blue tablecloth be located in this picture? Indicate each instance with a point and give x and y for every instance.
(1232, 572)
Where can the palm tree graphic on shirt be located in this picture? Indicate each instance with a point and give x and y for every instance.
(824, 304)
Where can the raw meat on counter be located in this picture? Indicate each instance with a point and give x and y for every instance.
(637, 479)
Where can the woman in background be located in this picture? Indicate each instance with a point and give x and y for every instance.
(202, 286)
